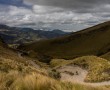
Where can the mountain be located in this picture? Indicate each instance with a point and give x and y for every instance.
(20, 72)
(15, 35)
(91, 41)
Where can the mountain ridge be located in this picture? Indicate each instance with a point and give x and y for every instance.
(91, 41)
(17, 35)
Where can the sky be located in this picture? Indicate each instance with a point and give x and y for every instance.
(68, 15)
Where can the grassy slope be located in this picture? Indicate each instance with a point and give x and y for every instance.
(91, 41)
(39, 82)
(98, 68)
(17, 74)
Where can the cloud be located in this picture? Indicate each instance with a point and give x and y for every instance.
(39, 9)
(80, 12)
(76, 5)
(47, 16)
(14, 15)
(61, 14)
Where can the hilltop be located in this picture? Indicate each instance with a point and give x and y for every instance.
(91, 41)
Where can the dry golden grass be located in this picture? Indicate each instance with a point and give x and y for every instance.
(17, 74)
(59, 62)
(98, 68)
(34, 81)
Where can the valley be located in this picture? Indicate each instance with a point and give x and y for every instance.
(54, 44)
(91, 41)
(77, 61)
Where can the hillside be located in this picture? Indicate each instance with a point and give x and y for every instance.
(16, 35)
(91, 41)
(22, 73)
(86, 68)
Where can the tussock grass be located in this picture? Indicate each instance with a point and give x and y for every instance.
(98, 68)
(17, 74)
(16, 81)
(8, 64)
(59, 62)
(39, 82)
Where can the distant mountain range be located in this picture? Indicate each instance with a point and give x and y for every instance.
(16, 35)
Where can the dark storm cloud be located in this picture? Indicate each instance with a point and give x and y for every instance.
(76, 5)
(61, 14)
(98, 9)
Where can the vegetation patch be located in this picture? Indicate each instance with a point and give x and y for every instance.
(98, 68)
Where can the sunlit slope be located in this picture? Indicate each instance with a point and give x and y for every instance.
(17, 73)
(91, 41)
(98, 68)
